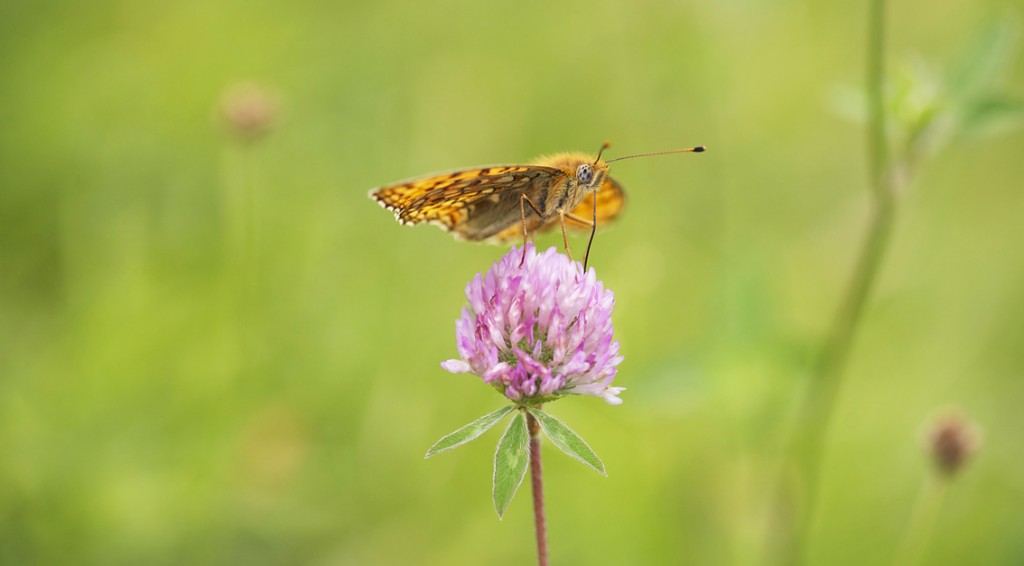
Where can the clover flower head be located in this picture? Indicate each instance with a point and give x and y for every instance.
(538, 331)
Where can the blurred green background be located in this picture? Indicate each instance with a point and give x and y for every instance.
(215, 349)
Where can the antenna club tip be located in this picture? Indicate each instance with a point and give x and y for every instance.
(700, 149)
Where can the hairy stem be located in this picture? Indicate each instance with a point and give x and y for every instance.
(538, 491)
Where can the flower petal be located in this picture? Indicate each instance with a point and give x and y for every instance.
(456, 366)
(611, 395)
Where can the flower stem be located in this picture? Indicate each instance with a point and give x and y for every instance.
(241, 274)
(829, 372)
(922, 522)
(538, 491)
(826, 380)
(878, 143)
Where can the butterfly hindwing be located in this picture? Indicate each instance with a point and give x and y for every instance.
(611, 200)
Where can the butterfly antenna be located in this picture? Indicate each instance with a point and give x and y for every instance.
(593, 225)
(604, 146)
(696, 149)
(593, 229)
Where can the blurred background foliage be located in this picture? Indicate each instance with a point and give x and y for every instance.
(215, 349)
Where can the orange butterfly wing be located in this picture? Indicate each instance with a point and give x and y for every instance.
(446, 199)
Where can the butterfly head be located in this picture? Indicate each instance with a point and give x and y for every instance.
(590, 175)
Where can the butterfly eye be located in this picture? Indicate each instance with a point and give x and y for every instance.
(585, 173)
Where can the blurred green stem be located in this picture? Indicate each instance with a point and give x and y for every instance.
(878, 145)
(241, 242)
(826, 381)
(922, 522)
(240, 213)
(823, 389)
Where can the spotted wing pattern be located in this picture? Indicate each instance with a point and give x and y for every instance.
(444, 198)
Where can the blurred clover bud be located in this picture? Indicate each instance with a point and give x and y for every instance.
(248, 110)
(952, 440)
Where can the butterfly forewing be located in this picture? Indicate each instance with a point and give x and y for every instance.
(400, 195)
(473, 203)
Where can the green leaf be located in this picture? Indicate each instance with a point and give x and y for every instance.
(470, 431)
(986, 61)
(510, 462)
(568, 441)
(994, 115)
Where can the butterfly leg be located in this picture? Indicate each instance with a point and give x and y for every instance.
(523, 201)
(578, 219)
(583, 222)
(565, 238)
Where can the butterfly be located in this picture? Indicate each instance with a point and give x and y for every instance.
(501, 202)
